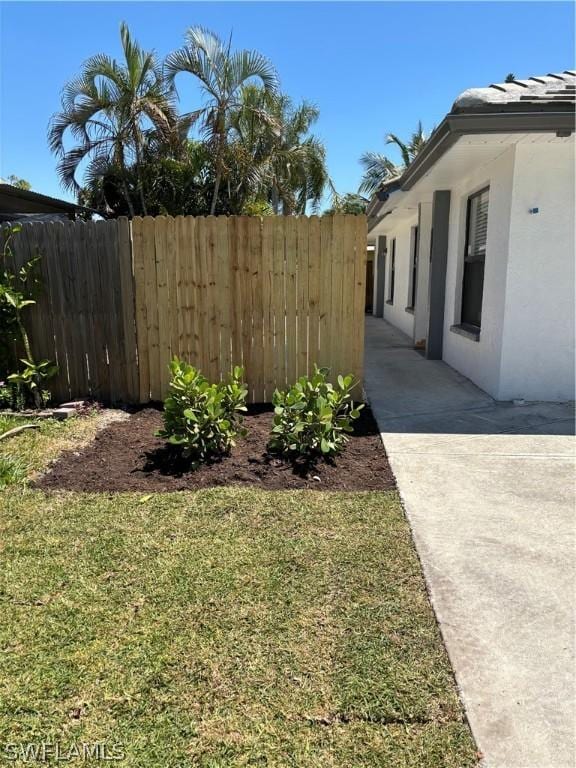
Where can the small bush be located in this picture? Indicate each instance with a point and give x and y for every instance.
(313, 416)
(202, 418)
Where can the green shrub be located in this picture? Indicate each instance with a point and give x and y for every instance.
(17, 291)
(202, 418)
(313, 416)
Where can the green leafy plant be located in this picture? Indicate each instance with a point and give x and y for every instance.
(202, 418)
(31, 378)
(12, 470)
(313, 416)
(11, 396)
(17, 289)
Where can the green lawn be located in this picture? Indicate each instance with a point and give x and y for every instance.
(220, 628)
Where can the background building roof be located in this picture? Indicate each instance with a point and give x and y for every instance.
(14, 200)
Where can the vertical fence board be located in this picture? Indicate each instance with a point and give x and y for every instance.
(164, 329)
(72, 308)
(348, 364)
(224, 294)
(325, 319)
(338, 277)
(360, 224)
(96, 362)
(279, 301)
(151, 294)
(257, 339)
(84, 318)
(202, 295)
(55, 266)
(244, 296)
(141, 310)
(235, 290)
(113, 317)
(302, 225)
(267, 282)
(214, 298)
(314, 288)
(193, 290)
(175, 308)
(182, 309)
(128, 310)
(291, 298)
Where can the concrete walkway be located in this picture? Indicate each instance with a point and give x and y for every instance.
(489, 492)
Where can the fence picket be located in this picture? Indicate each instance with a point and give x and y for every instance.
(267, 283)
(279, 301)
(314, 289)
(302, 298)
(291, 298)
(326, 329)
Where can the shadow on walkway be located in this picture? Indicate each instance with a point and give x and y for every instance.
(411, 394)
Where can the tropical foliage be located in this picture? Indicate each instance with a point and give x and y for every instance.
(278, 161)
(350, 203)
(125, 149)
(379, 168)
(116, 111)
(16, 181)
(24, 380)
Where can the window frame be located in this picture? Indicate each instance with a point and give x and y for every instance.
(413, 276)
(392, 271)
(466, 322)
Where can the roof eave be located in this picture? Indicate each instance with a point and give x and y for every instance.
(455, 125)
(31, 196)
(459, 124)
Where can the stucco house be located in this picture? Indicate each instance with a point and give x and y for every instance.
(474, 242)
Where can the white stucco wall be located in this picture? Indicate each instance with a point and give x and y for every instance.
(480, 360)
(539, 339)
(526, 347)
(396, 313)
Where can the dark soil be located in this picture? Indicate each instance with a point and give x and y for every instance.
(126, 456)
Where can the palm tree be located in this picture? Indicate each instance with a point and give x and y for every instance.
(288, 164)
(222, 74)
(19, 183)
(111, 109)
(350, 203)
(378, 169)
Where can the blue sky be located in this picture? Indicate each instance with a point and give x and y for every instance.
(372, 68)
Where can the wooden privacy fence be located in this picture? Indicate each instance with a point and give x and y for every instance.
(120, 299)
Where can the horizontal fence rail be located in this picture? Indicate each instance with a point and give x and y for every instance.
(120, 299)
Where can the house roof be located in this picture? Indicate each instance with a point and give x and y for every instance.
(552, 91)
(542, 104)
(14, 200)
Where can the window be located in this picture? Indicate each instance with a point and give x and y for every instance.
(413, 270)
(474, 257)
(392, 271)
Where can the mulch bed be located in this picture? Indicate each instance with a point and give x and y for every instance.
(126, 456)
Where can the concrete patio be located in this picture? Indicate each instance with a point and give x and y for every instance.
(489, 492)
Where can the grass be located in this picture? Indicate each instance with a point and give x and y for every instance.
(225, 627)
(36, 447)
